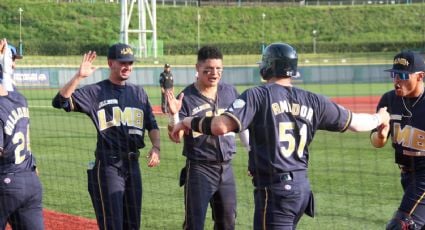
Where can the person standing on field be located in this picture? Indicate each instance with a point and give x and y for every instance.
(166, 82)
(208, 174)
(122, 114)
(20, 187)
(406, 104)
(282, 121)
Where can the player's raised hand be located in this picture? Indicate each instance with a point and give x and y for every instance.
(153, 157)
(3, 45)
(174, 104)
(86, 66)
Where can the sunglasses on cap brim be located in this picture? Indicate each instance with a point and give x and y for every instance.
(401, 76)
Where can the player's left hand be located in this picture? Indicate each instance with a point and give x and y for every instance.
(153, 157)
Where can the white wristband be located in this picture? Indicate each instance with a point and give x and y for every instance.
(377, 119)
(173, 119)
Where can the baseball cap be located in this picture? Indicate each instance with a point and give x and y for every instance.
(121, 52)
(15, 54)
(407, 62)
(167, 65)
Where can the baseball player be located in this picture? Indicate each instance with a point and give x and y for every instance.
(166, 82)
(121, 113)
(20, 187)
(406, 104)
(208, 174)
(282, 120)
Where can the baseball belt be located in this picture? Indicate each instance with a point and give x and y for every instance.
(414, 153)
(131, 156)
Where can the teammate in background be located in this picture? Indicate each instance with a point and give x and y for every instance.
(208, 174)
(166, 81)
(20, 187)
(406, 104)
(282, 120)
(121, 113)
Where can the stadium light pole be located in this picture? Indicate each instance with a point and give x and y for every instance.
(20, 31)
(199, 30)
(263, 44)
(314, 33)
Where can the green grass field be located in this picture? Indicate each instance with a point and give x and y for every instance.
(355, 185)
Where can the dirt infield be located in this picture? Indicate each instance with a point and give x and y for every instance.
(366, 104)
(62, 221)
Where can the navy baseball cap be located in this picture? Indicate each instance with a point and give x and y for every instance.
(121, 52)
(407, 62)
(15, 54)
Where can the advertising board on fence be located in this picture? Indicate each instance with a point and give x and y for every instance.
(31, 78)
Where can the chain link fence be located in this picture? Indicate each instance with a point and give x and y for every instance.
(258, 2)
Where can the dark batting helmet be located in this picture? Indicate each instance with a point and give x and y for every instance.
(279, 60)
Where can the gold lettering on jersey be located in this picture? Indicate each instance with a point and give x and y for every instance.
(132, 117)
(201, 108)
(295, 109)
(108, 102)
(13, 118)
(409, 136)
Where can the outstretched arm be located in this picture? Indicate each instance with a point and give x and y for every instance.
(218, 125)
(86, 69)
(361, 122)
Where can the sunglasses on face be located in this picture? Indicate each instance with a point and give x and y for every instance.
(401, 76)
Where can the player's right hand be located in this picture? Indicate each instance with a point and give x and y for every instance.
(384, 116)
(86, 67)
(174, 105)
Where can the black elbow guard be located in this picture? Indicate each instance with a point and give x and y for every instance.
(202, 125)
(60, 102)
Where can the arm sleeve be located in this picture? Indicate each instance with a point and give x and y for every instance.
(244, 136)
(61, 102)
(364, 122)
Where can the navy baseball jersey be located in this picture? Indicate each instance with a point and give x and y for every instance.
(120, 118)
(202, 147)
(15, 141)
(166, 80)
(285, 120)
(407, 131)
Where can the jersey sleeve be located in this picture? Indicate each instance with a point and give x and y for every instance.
(244, 108)
(332, 117)
(150, 118)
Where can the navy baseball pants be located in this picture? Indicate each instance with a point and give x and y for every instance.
(116, 193)
(21, 201)
(280, 205)
(214, 184)
(413, 201)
